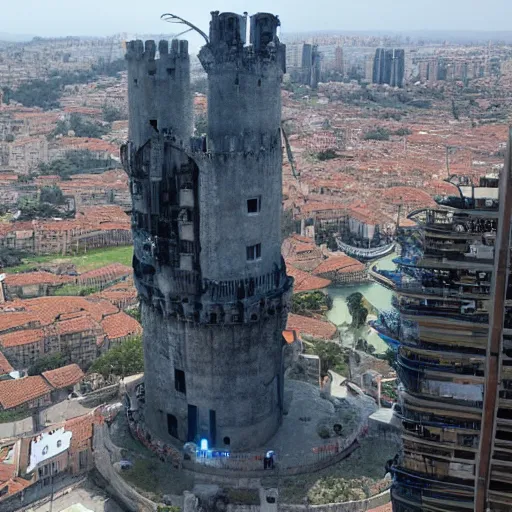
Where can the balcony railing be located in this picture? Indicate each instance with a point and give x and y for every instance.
(442, 291)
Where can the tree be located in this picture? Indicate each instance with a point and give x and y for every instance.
(10, 257)
(390, 357)
(32, 209)
(201, 125)
(200, 85)
(50, 362)
(402, 131)
(310, 302)
(46, 93)
(332, 356)
(127, 358)
(74, 162)
(357, 310)
(111, 114)
(328, 154)
(52, 194)
(81, 126)
(135, 313)
(378, 133)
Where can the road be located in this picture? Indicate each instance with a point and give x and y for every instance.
(84, 498)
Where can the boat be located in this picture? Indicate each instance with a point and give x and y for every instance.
(387, 327)
(365, 254)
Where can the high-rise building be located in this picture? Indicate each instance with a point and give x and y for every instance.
(303, 63)
(389, 67)
(452, 330)
(206, 225)
(339, 64)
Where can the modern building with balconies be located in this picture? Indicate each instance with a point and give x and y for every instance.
(450, 329)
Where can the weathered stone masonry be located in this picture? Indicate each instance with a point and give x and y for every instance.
(206, 229)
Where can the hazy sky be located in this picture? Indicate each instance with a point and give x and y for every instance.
(105, 17)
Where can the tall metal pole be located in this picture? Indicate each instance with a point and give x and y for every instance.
(51, 483)
(494, 344)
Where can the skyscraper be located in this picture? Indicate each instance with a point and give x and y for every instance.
(206, 225)
(389, 67)
(454, 357)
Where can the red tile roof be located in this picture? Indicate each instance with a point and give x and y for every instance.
(113, 270)
(120, 325)
(311, 326)
(15, 484)
(81, 428)
(20, 391)
(290, 336)
(10, 320)
(75, 325)
(64, 377)
(5, 366)
(18, 338)
(341, 264)
(48, 309)
(304, 281)
(28, 278)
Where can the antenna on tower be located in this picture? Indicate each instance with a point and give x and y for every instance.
(172, 18)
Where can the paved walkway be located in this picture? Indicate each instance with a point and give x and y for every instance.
(88, 496)
(338, 385)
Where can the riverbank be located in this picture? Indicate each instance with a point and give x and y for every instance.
(374, 293)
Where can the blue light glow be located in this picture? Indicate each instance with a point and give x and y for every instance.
(204, 444)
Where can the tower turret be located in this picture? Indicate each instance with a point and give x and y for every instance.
(159, 90)
(207, 236)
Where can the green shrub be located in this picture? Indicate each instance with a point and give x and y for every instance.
(124, 359)
(378, 133)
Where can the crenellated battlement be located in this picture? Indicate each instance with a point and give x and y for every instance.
(140, 50)
(244, 80)
(227, 47)
(159, 90)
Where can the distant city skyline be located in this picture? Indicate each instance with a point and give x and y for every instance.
(57, 18)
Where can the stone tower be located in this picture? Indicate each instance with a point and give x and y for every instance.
(206, 226)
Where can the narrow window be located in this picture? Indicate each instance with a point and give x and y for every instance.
(254, 252)
(154, 124)
(82, 459)
(172, 425)
(179, 381)
(227, 441)
(213, 318)
(253, 205)
(213, 427)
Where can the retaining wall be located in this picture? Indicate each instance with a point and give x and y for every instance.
(348, 506)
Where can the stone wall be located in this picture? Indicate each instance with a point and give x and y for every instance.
(349, 506)
(100, 396)
(233, 370)
(122, 492)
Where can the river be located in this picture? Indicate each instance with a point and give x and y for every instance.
(374, 293)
